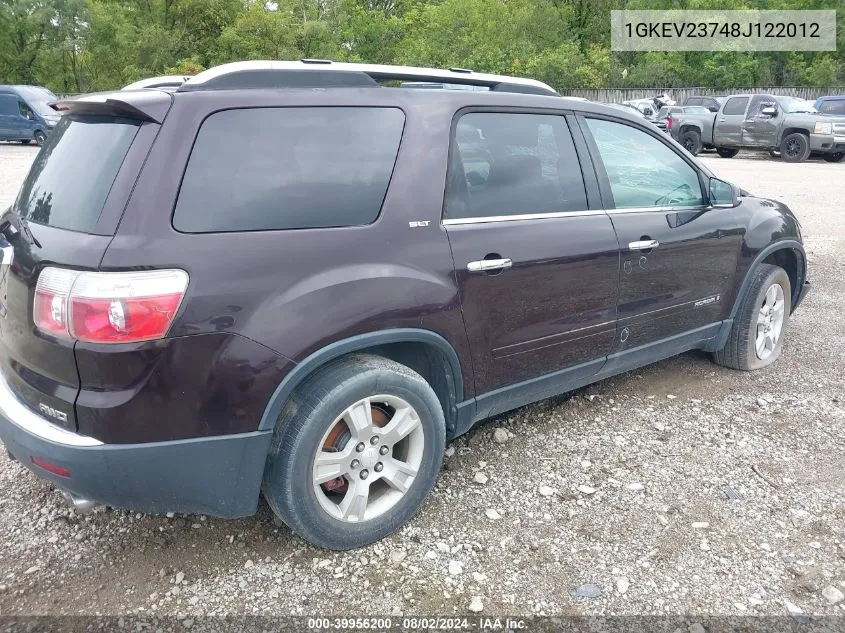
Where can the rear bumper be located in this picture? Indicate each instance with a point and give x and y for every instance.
(218, 476)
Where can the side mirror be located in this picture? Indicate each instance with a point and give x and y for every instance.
(722, 194)
(769, 111)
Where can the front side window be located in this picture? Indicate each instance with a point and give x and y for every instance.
(512, 164)
(736, 105)
(643, 172)
(264, 169)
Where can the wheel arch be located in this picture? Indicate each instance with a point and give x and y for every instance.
(790, 130)
(424, 351)
(789, 255)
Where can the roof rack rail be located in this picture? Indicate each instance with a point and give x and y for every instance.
(314, 73)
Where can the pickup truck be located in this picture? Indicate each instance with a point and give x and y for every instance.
(760, 121)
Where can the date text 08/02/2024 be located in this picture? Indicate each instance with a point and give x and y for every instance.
(418, 624)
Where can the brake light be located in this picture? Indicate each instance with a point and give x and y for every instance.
(108, 307)
(669, 122)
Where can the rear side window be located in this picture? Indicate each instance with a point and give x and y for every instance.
(833, 107)
(288, 168)
(73, 173)
(8, 104)
(512, 164)
(736, 105)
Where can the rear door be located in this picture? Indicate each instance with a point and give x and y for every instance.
(727, 129)
(64, 216)
(537, 268)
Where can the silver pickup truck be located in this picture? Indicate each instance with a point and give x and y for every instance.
(788, 125)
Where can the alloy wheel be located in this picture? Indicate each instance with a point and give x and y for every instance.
(368, 458)
(769, 322)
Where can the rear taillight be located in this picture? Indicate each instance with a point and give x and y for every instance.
(108, 307)
(669, 122)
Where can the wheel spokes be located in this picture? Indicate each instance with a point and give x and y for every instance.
(354, 504)
(402, 424)
(331, 465)
(359, 417)
(397, 474)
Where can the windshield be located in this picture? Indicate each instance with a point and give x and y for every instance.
(38, 98)
(74, 171)
(793, 105)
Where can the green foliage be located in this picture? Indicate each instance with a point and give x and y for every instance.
(87, 45)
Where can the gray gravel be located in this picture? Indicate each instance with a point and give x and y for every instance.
(680, 488)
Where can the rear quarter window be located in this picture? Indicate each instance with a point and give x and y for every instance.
(264, 169)
(73, 173)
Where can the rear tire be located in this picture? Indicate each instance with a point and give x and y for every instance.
(756, 336)
(727, 152)
(795, 147)
(26, 141)
(338, 474)
(833, 158)
(691, 140)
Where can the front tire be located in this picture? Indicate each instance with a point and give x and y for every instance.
(355, 452)
(756, 336)
(795, 148)
(39, 137)
(727, 152)
(833, 158)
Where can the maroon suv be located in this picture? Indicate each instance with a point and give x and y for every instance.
(288, 278)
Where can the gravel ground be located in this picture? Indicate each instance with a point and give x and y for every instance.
(680, 488)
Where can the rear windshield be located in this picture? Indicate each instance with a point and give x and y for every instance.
(74, 172)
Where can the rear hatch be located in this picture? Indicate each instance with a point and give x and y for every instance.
(65, 216)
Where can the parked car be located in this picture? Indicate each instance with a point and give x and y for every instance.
(162, 82)
(491, 248)
(663, 119)
(711, 103)
(833, 104)
(25, 115)
(646, 106)
(785, 124)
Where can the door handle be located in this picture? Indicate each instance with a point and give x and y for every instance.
(486, 265)
(721, 120)
(643, 245)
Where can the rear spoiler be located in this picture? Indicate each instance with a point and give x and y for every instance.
(144, 105)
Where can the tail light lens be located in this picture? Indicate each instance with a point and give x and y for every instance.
(669, 122)
(108, 307)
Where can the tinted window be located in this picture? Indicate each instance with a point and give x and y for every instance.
(643, 172)
(758, 103)
(512, 164)
(288, 168)
(694, 101)
(8, 104)
(74, 171)
(833, 107)
(735, 106)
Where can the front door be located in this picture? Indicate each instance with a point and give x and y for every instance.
(761, 130)
(727, 129)
(537, 270)
(679, 255)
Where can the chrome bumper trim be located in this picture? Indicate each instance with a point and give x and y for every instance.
(22, 417)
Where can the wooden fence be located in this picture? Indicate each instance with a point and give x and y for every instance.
(618, 95)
